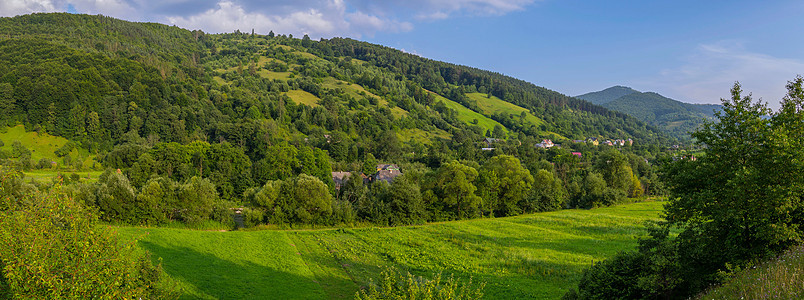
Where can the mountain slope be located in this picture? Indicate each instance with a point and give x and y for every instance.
(607, 95)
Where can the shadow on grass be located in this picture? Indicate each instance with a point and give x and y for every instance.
(216, 278)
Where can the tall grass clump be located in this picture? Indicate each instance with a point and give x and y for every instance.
(781, 278)
(395, 285)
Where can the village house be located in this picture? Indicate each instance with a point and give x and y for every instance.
(545, 144)
(340, 179)
(386, 172)
(593, 141)
(578, 154)
(489, 141)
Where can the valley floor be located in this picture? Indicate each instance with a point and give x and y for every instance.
(532, 256)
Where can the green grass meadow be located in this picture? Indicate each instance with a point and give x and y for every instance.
(537, 256)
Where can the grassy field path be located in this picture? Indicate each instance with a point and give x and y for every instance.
(535, 256)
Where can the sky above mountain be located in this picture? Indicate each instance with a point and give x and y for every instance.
(692, 51)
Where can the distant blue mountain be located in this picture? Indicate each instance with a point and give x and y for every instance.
(672, 116)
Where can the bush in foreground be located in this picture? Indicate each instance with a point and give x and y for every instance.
(53, 249)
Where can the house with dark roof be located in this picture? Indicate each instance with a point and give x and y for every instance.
(489, 141)
(340, 179)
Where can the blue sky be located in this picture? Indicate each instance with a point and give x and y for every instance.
(691, 51)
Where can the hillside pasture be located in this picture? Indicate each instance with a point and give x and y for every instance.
(467, 115)
(493, 105)
(532, 256)
(303, 97)
(42, 145)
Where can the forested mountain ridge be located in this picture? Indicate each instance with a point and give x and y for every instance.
(178, 54)
(607, 95)
(674, 117)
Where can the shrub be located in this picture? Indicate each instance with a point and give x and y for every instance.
(252, 217)
(43, 163)
(615, 278)
(54, 249)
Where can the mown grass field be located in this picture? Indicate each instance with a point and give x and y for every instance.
(533, 256)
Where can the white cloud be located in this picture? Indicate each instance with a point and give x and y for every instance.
(113, 8)
(329, 18)
(318, 18)
(9, 8)
(709, 72)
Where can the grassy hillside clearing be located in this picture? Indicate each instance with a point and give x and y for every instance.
(421, 136)
(467, 115)
(532, 256)
(494, 105)
(302, 97)
(42, 145)
(358, 91)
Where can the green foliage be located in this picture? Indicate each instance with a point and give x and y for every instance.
(547, 194)
(369, 165)
(455, 185)
(742, 198)
(615, 278)
(53, 248)
(395, 285)
(505, 184)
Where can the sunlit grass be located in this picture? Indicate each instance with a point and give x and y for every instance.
(303, 97)
(780, 278)
(42, 145)
(533, 256)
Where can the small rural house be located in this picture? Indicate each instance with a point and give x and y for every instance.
(386, 172)
(340, 179)
(489, 141)
(545, 144)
